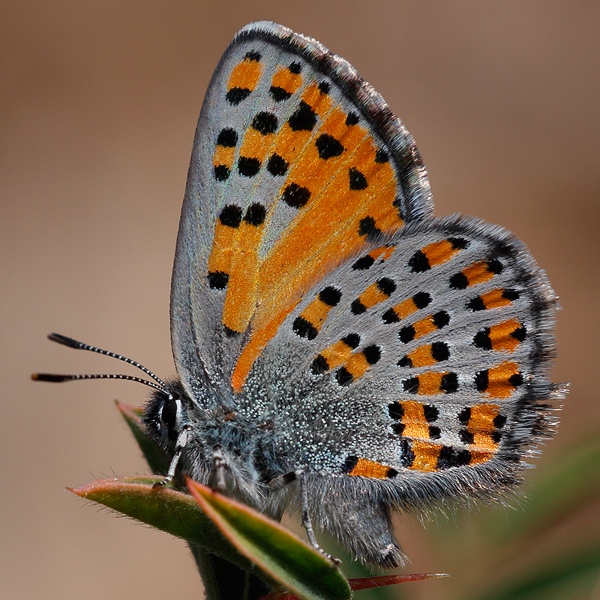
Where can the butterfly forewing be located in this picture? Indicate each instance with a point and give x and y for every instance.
(297, 165)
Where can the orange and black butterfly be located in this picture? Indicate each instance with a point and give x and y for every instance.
(338, 348)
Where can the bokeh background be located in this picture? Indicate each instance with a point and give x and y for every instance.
(99, 102)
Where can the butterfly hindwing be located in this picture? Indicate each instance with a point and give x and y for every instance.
(297, 164)
(427, 354)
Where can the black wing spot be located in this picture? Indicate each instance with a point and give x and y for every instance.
(459, 281)
(386, 286)
(459, 243)
(450, 457)
(435, 433)
(351, 119)
(390, 316)
(231, 216)
(255, 214)
(466, 437)
(449, 383)
(330, 296)
(357, 181)
(495, 266)
(352, 340)
(441, 319)
(236, 95)
(349, 464)
(476, 304)
(343, 376)
(303, 119)
(265, 123)
(421, 299)
(419, 262)
(440, 351)
(357, 307)
(227, 138)
(411, 385)
(304, 328)
(295, 195)
(248, 167)
(319, 365)
(381, 156)
(372, 354)
(407, 456)
(222, 172)
(277, 166)
(279, 94)
(405, 362)
(407, 334)
(324, 87)
(368, 229)
(217, 280)
(520, 333)
(431, 413)
(396, 411)
(328, 146)
(364, 263)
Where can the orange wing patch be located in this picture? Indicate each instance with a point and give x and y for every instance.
(436, 254)
(361, 467)
(414, 419)
(309, 323)
(431, 383)
(286, 81)
(493, 299)
(499, 382)
(367, 261)
(427, 457)
(336, 354)
(406, 308)
(423, 327)
(244, 78)
(479, 272)
(224, 153)
(483, 423)
(352, 366)
(233, 263)
(425, 356)
(257, 142)
(505, 336)
(358, 364)
(378, 292)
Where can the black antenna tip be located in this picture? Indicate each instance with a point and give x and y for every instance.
(64, 340)
(50, 377)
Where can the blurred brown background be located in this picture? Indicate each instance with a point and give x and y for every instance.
(99, 106)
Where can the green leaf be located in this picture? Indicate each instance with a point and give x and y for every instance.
(166, 509)
(296, 566)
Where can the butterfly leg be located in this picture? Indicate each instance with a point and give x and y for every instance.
(360, 521)
(180, 444)
(306, 521)
(219, 464)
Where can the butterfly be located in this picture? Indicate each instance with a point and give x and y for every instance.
(339, 350)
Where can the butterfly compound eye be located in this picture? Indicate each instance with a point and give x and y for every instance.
(169, 416)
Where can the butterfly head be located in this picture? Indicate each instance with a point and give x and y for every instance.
(166, 413)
